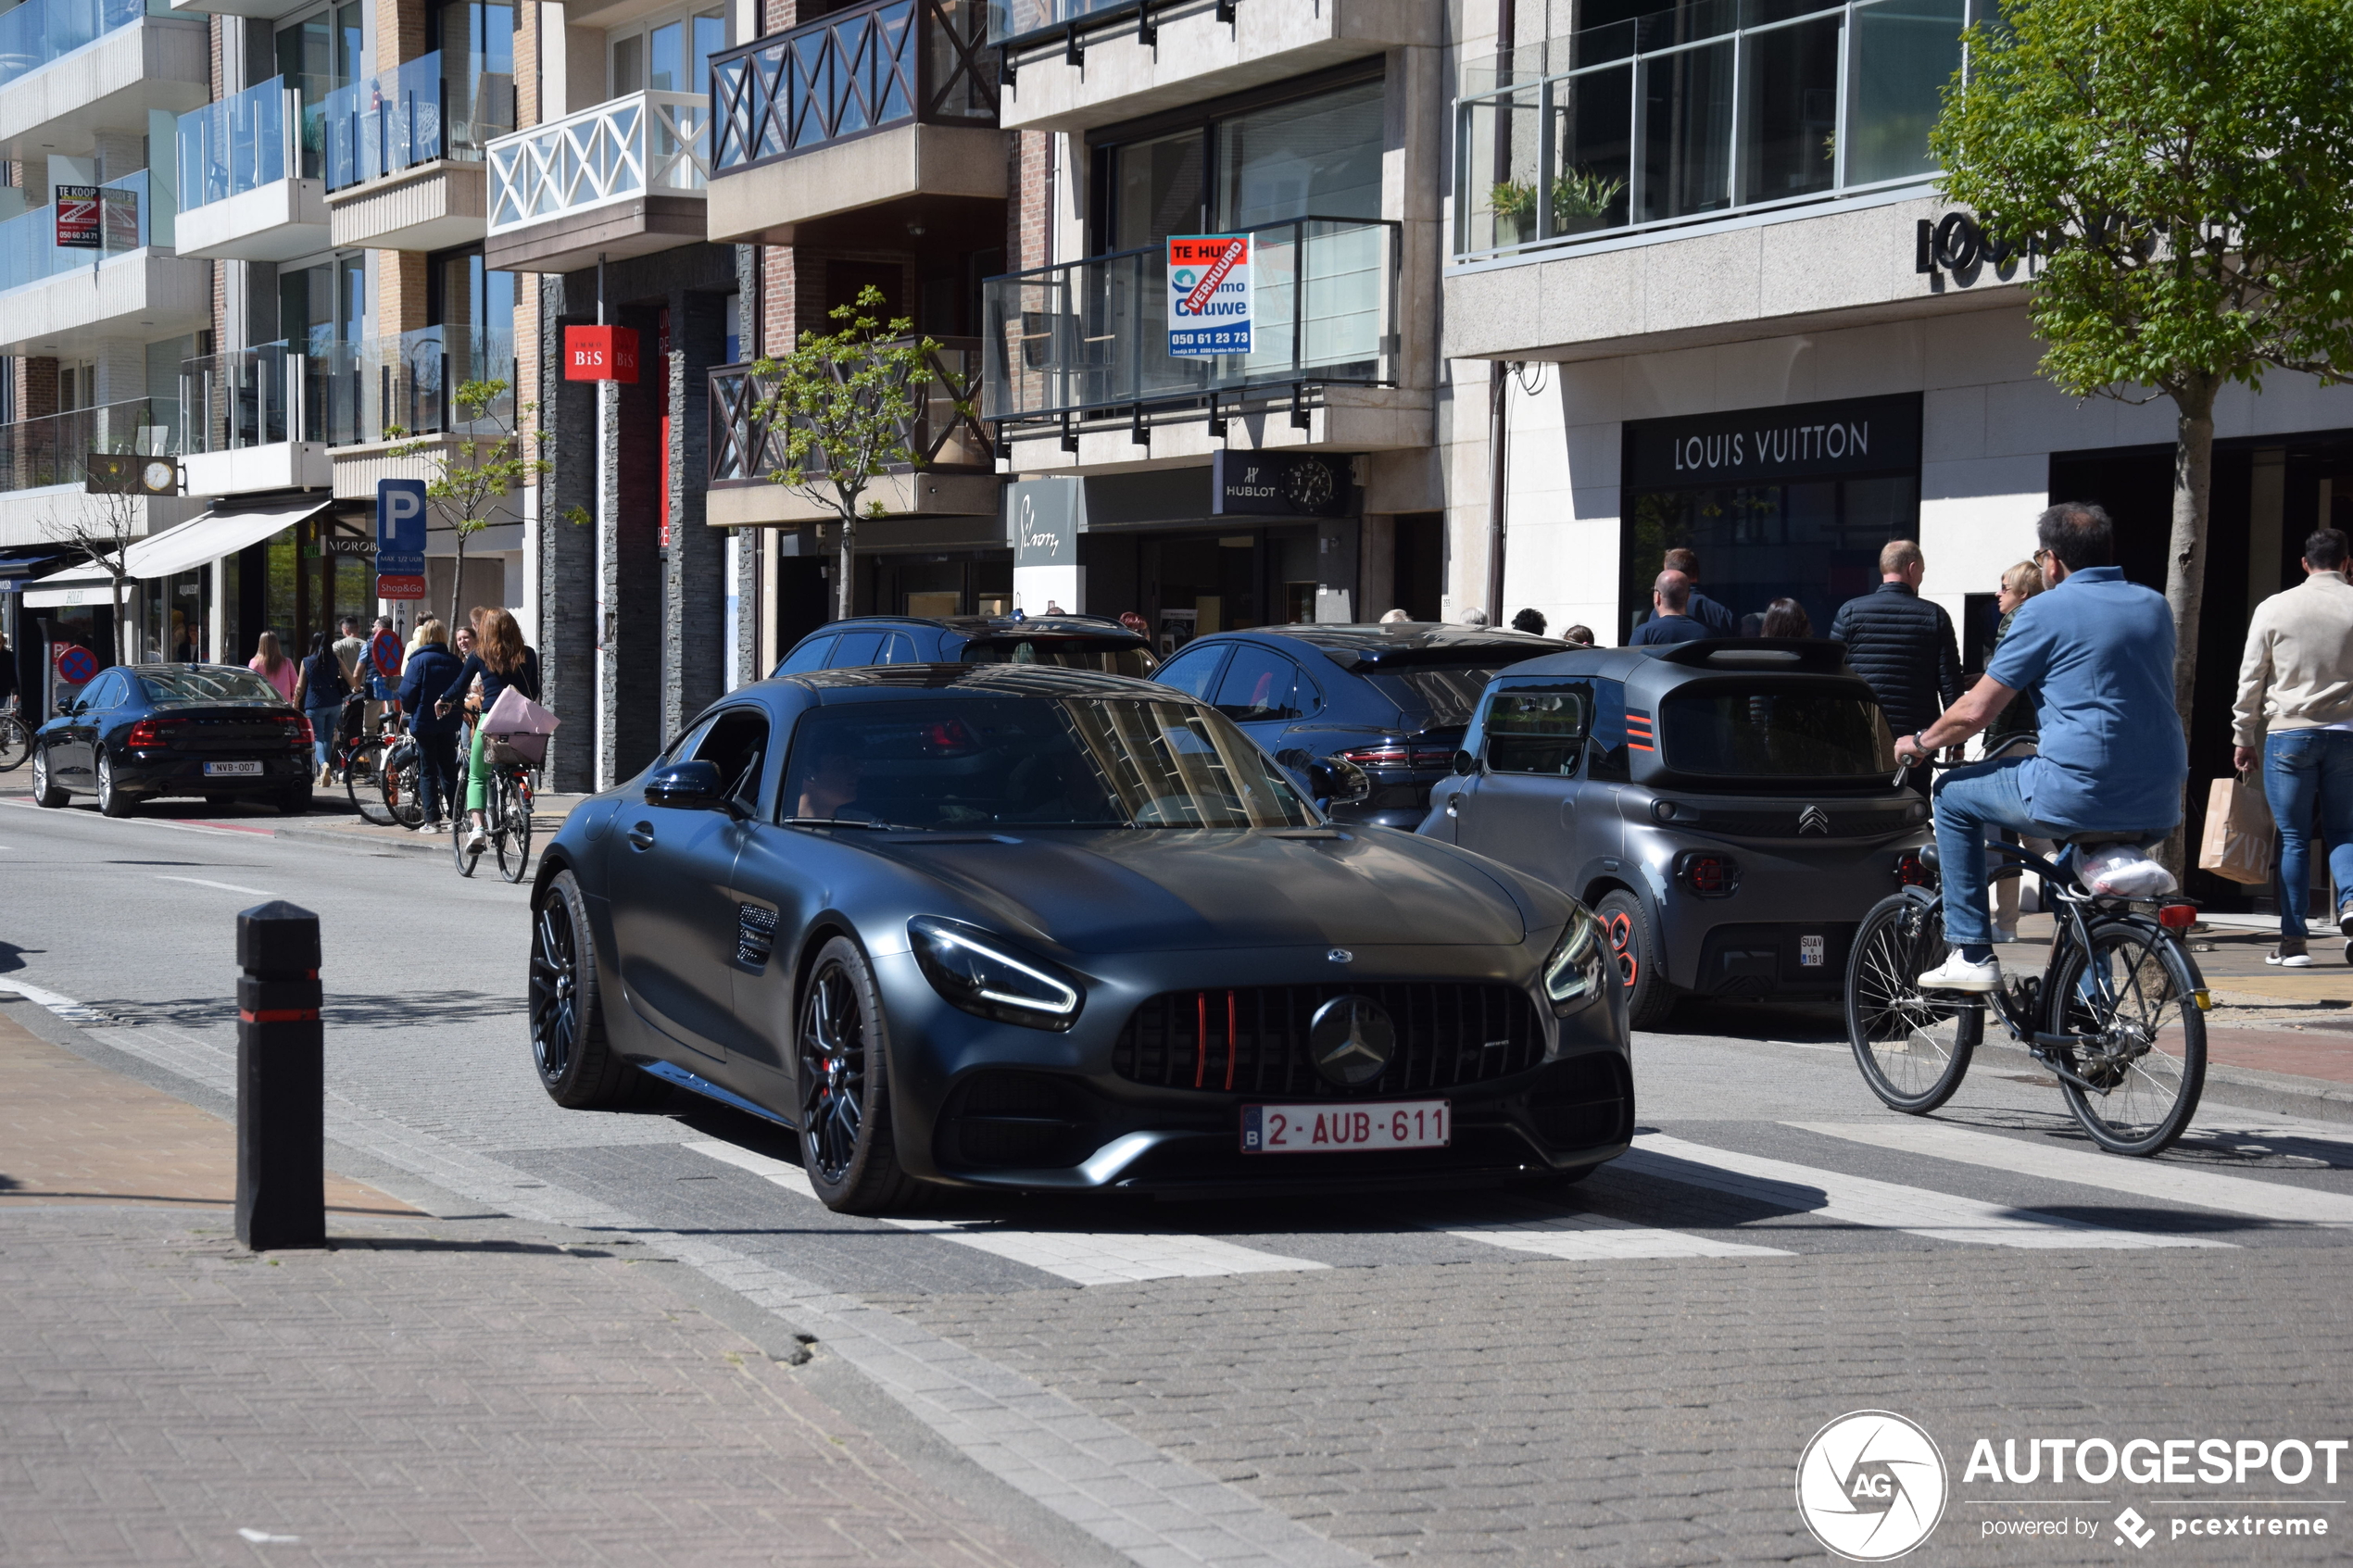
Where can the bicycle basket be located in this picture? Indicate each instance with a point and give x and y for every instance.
(517, 750)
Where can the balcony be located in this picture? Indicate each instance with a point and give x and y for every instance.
(252, 185)
(957, 479)
(1073, 347)
(365, 399)
(405, 151)
(56, 301)
(45, 462)
(69, 68)
(847, 132)
(1073, 65)
(623, 179)
(248, 415)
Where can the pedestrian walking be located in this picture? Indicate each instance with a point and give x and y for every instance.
(1579, 636)
(503, 660)
(1718, 621)
(2015, 732)
(1670, 619)
(1474, 617)
(1395, 618)
(320, 690)
(1785, 618)
(382, 676)
(1903, 646)
(431, 672)
(2295, 712)
(351, 648)
(269, 662)
(1530, 622)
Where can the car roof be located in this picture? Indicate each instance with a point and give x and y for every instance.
(885, 680)
(1672, 663)
(1400, 642)
(988, 625)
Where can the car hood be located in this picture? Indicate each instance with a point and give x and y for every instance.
(1128, 889)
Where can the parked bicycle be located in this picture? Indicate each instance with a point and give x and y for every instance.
(2118, 1015)
(506, 821)
(15, 740)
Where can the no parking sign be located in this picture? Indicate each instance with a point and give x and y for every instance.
(76, 665)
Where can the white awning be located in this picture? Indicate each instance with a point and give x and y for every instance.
(174, 551)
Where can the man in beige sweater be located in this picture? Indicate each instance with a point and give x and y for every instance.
(2296, 710)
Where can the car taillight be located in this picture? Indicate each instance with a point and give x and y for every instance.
(1433, 756)
(150, 732)
(2177, 917)
(1386, 757)
(1707, 873)
(301, 733)
(1911, 870)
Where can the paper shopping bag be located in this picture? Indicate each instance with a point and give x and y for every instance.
(2237, 843)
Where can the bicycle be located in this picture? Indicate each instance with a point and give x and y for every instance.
(506, 816)
(2118, 1015)
(15, 740)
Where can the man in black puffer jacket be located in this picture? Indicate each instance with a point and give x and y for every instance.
(1903, 645)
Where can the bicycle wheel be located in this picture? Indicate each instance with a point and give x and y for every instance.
(360, 766)
(1913, 1048)
(513, 837)
(16, 743)
(401, 787)
(2132, 1001)
(460, 829)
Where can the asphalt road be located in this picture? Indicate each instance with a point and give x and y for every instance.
(1627, 1372)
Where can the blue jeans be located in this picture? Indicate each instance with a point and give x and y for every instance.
(2304, 769)
(323, 732)
(1969, 801)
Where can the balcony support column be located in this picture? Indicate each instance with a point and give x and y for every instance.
(569, 585)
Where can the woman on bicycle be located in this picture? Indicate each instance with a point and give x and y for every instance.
(502, 660)
(430, 672)
(320, 690)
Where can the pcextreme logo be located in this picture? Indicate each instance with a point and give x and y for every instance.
(1871, 1485)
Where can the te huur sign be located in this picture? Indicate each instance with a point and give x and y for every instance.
(601, 354)
(1794, 441)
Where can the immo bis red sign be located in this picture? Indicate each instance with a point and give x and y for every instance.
(601, 354)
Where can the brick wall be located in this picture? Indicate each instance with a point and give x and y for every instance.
(400, 292)
(1029, 217)
(400, 31)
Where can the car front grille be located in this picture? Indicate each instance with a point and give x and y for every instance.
(1790, 822)
(1252, 1039)
(1585, 1103)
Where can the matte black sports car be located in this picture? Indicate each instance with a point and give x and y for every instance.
(142, 731)
(1025, 927)
(1073, 642)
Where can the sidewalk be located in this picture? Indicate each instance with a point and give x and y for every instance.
(424, 1390)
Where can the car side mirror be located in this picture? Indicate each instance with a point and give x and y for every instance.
(1296, 758)
(1340, 780)
(692, 786)
(1466, 764)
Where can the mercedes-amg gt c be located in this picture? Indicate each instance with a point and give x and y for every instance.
(1032, 928)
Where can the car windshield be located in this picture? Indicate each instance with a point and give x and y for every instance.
(192, 686)
(973, 762)
(1784, 731)
(1435, 694)
(1108, 656)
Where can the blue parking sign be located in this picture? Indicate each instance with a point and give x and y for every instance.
(400, 539)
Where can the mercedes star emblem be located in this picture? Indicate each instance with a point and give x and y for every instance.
(1813, 820)
(1350, 1040)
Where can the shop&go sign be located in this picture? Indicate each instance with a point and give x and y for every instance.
(400, 539)
(1209, 295)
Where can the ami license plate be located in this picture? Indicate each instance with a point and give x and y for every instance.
(230, 770)
(1344, 1129)
(1809, 952)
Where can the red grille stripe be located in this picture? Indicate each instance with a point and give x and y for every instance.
(1233, 1039)
(1201, 1037)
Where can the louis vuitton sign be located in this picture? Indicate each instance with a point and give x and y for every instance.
(1795, 441)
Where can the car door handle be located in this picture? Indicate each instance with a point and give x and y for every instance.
(642, 835)
(1453, 805)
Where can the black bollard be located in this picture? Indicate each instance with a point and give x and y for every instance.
(281, 1080)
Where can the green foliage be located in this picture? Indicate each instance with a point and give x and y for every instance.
(1579, 194)
(2184, 171)
(475, 469)
(1513, 198)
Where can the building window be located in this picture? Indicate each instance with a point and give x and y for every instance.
(1706, 107)
(667, 53)
(1313, 156)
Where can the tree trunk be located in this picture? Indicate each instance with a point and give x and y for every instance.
(121, 620)
(845, 584)
(457, 587)
(2186, 560)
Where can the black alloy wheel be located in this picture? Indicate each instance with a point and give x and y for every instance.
(1633, 944)
(577, 1065)
(113, 801)
(45, 789)
(843, 1068)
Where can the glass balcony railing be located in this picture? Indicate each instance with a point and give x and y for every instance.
(1709, 108)
(41, 30)
(889, 63)
(413, 114)
(745, 447)
(134, 211)
(55, 449)
(646, 143)
(1016, 22)
(256, 138)
(1092, 336)
(342, 393)
(240, 399)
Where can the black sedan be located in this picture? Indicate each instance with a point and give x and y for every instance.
(140, 732)
(1039, 929)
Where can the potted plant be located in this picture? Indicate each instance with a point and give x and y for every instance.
(1583, 202)
(1514, 204)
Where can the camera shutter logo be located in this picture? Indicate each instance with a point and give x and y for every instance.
(1871, 1485)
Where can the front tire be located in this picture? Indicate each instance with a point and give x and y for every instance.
(842, 1057)
(1914, 1048)
(577, 1064)
(1633, 945)
(113, 801)
(45, 789)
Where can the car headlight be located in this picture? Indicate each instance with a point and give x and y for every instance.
(1573, 974)
(982, 973)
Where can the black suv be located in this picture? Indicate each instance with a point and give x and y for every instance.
(1392, 698)
(1071, 642)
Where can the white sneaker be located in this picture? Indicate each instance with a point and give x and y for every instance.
(2284, 957)
(1956, 973)
(476, 842)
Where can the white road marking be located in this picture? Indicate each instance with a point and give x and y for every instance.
(153, 823)
(64, 1007)
(2141, 1178)
(1596, 1237)
(224, 887)
(1081, 1257)
(1859, 1200)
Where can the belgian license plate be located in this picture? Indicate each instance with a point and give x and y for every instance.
(1345, 1129)
(230, 770)
(1809, 952)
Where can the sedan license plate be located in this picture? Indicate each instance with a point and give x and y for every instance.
(230, 770)
(1334, 1129)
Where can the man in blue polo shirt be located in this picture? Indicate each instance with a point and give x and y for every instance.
(2099, 653)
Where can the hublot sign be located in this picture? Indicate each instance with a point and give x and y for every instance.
(1797, 441)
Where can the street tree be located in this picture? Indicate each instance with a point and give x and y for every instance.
(476, 467)
(101, 528)
(843, 407)
(2181, 173)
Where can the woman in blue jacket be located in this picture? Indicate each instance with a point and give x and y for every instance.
(431, 671)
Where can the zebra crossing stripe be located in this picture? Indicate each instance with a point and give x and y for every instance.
(1859, 1200)
(2142, 1178)
(1081, 1257)
(1597, 1238)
